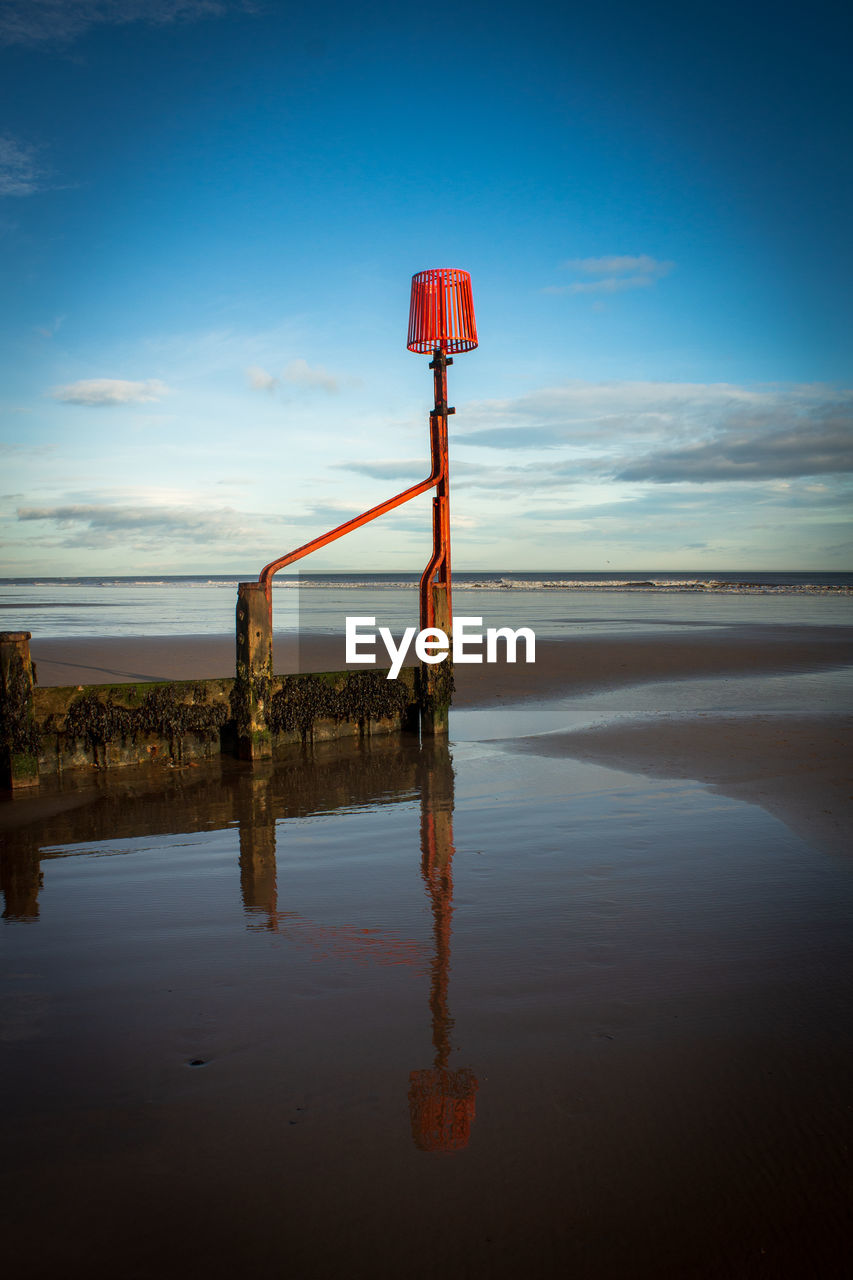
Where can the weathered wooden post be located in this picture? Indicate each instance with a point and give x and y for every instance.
(436, 679)
(19, 743)
(253, 688)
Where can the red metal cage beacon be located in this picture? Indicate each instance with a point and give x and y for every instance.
(441, 312)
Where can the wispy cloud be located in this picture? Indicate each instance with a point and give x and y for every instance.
(301, 374)
(323, 516)
(613, 274)
(98, 392)
(34, 22)
(298, 373)
(816, 450)
(11, 449)
(618, 266)
(20, 172)
(104, 525)
(259, 379)
(50, 330)
(400, 469)
(667, 432)
(404, 470)
(595, 413)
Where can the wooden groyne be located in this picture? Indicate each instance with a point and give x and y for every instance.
(255, 715)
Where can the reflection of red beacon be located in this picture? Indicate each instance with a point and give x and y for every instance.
(441, 1101)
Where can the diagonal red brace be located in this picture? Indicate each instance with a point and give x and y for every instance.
(267, 572)
(439, 563)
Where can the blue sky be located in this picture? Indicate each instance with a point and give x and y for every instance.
(210, 212)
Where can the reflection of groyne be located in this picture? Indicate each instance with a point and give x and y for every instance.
(49, 731)
(441, 1101)
(82, 810)
(322, 779)
(74, 814)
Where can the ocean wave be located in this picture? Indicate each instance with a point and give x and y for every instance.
(603, 584)
(765, 583)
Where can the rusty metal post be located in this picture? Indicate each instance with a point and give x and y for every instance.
(19, 766)
(254, 670)
(438, 568)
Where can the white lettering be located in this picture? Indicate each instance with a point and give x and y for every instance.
(432, 645)
(355, 638)
(396, 655)
(460, 637)
(511, 638)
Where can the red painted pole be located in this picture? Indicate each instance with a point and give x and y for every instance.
(438, 568)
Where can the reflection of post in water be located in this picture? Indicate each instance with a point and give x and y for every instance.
(20, 879)
(441, 1101)
(257, 852)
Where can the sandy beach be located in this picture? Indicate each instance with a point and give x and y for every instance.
(562, 667)
(569, 995)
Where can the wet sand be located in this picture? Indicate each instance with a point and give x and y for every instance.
(562, 667)
(399, 1010)
(796, 767)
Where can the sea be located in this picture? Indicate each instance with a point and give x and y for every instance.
(552, 603)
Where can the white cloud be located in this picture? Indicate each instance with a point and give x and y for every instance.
(105, 391)
(301, 374)
(617, 273)
(259, 379)
(19, 170)
(619, 266)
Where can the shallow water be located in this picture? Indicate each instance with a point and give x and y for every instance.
(423, 1012)
(792, 694)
